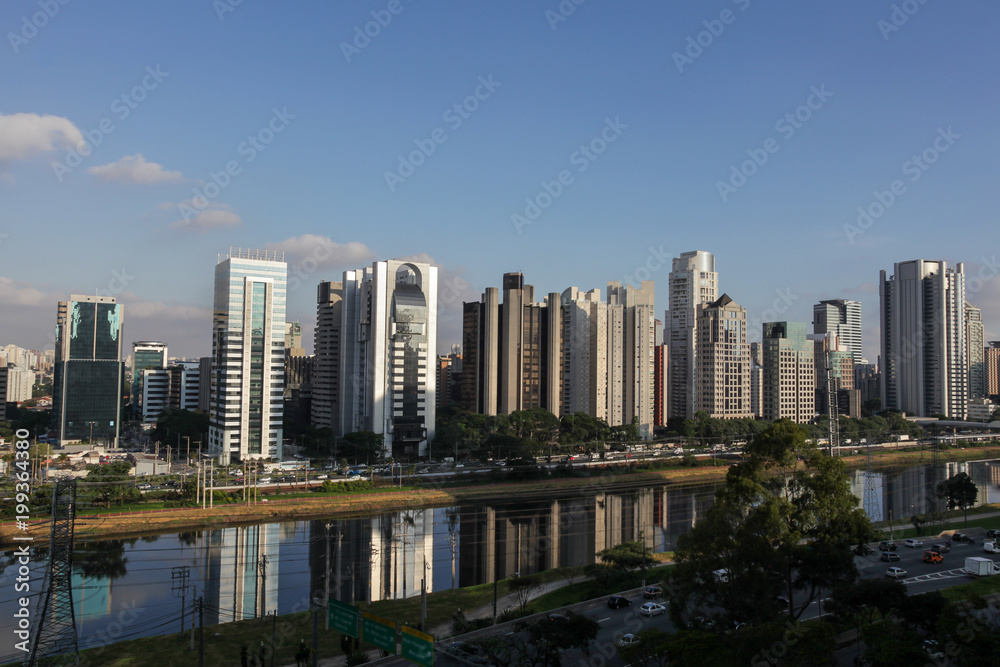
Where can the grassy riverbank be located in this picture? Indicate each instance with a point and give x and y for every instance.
(141, 520)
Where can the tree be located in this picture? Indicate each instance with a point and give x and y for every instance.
(782, 526)
(364, 446)
(960, 491)
(627, 557)
(112, 482)
(867, 601)
(548, 638)
(522, 588)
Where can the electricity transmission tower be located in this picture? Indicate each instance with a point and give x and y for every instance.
(55, 641)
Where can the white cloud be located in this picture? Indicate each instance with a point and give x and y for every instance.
(313, 252)
(16, 293)
(135, 169)
(25, 134)
(199, 217)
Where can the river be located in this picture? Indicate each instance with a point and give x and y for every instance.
(132, 588)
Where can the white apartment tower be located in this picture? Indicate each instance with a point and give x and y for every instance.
(975, 343)
(693, 282)
(722, 371)
(843, 318)
(789, 372)
(924, 352)
(388, 354)
(248, 358)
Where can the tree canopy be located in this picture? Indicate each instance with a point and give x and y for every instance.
(779, 533)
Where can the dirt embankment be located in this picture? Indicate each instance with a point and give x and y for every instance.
(139, 522)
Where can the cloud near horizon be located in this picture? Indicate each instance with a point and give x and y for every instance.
(135, 169)
(199, 217)
(23, 135)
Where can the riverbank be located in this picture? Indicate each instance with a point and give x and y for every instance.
(136, 522)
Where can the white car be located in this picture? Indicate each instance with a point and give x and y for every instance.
(628, 639)
(991, 547)
(895, 572)
(652, 609)
(912, 543)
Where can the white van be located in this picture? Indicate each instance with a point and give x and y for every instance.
(991, 547)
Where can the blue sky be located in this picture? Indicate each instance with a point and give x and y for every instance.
(643, 124)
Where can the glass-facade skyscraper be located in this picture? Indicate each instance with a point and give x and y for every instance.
(88, 379)
(248, 358)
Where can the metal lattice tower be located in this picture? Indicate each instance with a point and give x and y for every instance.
(873, 505)
(55, 641)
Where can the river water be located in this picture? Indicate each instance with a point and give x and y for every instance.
(131, 588)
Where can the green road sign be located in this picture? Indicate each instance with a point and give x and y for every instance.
(379, 631)
(418, 647)
(343, 617)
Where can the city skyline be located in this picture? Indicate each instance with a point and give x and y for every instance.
(807, 148)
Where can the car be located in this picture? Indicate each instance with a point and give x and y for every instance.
(628, 639)
(145, 486)
(991, 547)
(781, 602)
(618, 601)
(889, 557)
(652, 609)
(992, 532)
(933, 557)
(940, 548)
(895, 572)
(886, 546)
(913, 543)
(863, 550)
(652, 592)
(962, 537)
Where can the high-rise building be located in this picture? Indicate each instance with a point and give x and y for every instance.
(722, 369)
(327, 340)
(924, 355)
(635, 351)
(832, 359)
(975, 344)
(146, 354)
(789, 372)
(660, 359)
(756, 380)
(843, 318)
(247, 374)
(991, 369)
(693, 281)
(89, 374)
(20, 382)
(388, 380)
(481, 353)
(3, 392)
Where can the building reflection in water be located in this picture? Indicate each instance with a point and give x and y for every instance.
(241, 570)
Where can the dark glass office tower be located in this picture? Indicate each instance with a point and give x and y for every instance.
(88, 383)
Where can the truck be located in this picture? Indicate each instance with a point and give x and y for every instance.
(978, 566)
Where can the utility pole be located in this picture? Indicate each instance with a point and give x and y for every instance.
(188, 438)
(315, 634)
(262, 566)
(194, 599)
(274, 629)
(327, 572)
(201, 632)
(211, 483)
(179, 577)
